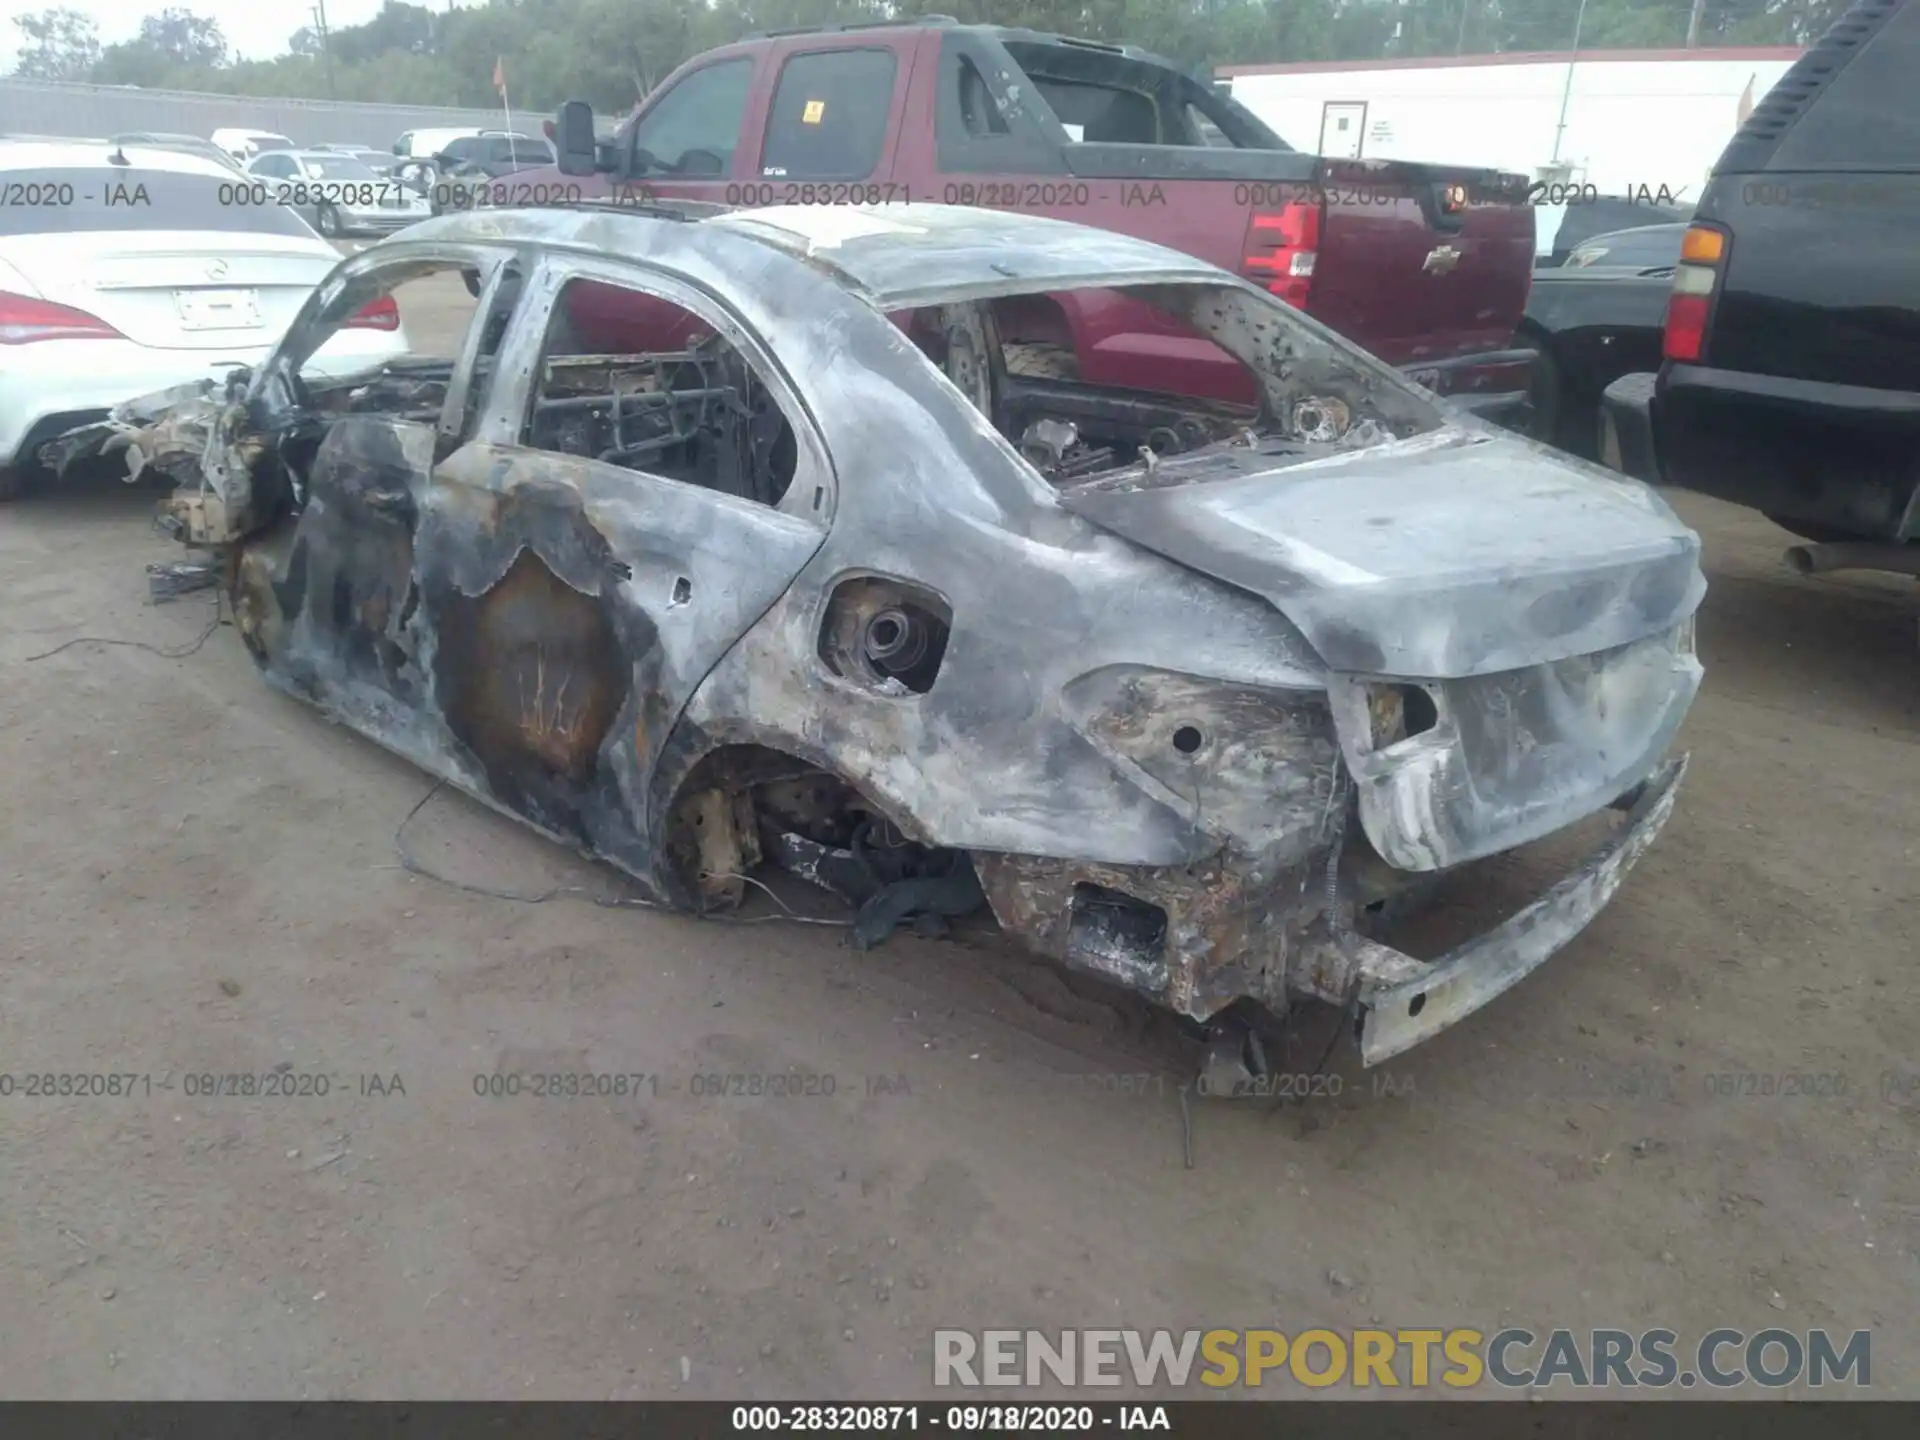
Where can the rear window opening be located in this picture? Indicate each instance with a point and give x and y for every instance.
(1299, 396)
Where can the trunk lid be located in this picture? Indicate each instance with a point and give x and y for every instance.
(1425, 261)
(176, 290)
(1451, 554)
(1811, 263)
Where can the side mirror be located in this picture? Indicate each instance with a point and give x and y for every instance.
(579, 154)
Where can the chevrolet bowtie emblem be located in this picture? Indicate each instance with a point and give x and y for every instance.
(1440, 260)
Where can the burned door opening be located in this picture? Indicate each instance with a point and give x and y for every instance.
(588, 560)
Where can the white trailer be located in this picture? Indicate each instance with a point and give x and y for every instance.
(1613, 120)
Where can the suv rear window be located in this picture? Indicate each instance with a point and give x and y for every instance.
(1864, 118)
(118, 199)
(829, 115)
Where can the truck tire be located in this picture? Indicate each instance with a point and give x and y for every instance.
(1041, 361)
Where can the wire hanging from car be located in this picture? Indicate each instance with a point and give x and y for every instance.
(606, 902)
(178, 652)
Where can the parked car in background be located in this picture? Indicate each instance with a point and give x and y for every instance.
(187, 144)
(1790, 377)
(1561, 229)
(1425, 265)
(243, 145)
(727, 543)
(1594, 319)
(424, 144)
(135, 276)
(372, 156)
(466, 165)
(337, 194)
(496, 152)
(1645, 249)
(417, 175)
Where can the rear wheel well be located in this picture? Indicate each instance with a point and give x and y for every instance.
(734, 801)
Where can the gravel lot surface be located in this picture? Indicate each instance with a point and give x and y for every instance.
(198, 875)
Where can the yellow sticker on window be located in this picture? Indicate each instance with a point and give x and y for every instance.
(813, 113)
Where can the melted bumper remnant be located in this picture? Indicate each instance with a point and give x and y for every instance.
(1402, 1009)
(1196, 938)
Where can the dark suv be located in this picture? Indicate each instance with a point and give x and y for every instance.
(1790, 381)
(466, 164)
(495, 153)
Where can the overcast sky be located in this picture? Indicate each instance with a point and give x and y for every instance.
(258, 29)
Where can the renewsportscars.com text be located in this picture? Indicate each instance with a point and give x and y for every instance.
(1513, 1358)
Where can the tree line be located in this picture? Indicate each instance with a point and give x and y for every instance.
(611, 52)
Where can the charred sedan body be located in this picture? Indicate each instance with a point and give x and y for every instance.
(804, 576)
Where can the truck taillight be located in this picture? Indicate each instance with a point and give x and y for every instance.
(1281, 247)
(1691, 303)
(381, 314)
(24, 319)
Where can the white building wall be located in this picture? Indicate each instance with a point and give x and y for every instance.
(40, 107)
(1629, 122)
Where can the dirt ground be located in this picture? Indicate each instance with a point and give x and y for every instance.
(199, 875)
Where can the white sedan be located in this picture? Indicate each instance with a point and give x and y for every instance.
(338, 194)
(126, 269)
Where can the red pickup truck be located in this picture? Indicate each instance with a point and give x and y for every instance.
(1427, 266)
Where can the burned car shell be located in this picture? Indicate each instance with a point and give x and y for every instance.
(1156, 707)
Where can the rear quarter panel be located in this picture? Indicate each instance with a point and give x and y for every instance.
(1820, 280)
